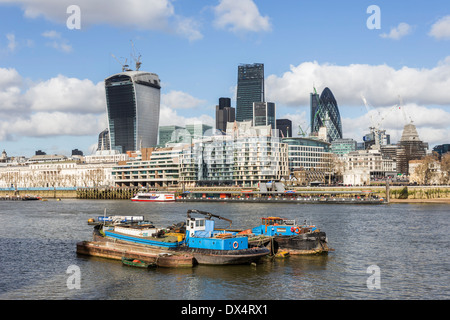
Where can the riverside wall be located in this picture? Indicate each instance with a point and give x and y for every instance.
(396, 193)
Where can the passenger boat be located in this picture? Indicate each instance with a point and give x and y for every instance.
(286, 235)
(30, 198)
(153, 197)
(200, 239)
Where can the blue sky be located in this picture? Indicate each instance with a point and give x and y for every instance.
(51, 77)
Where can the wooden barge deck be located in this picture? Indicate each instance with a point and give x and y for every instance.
(117, 251)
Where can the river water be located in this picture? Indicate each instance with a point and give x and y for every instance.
(382, 252)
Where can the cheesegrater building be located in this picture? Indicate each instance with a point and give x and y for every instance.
(133, 103)
(250, 88)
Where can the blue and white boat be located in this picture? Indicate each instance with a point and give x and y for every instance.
(287, 235)
(201, 239)
(145, 234)
(211, 246)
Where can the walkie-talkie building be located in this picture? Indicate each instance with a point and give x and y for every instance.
(325, 113)
(133, 103)
(250, 88)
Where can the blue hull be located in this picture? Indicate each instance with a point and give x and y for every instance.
(139, 240)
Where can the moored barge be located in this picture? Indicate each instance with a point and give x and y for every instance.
(283, 234)
(197, 238)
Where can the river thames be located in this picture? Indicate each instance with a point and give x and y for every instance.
(382, 252)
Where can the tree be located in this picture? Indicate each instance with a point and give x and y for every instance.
(445, 168)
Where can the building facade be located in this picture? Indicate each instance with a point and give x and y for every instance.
(309, 159)
(250, 88)
(133, 104)
(224, 114)
(411, 148)
(264, 114)
(67, 174)
(160, 170)
(242, 157)
(342, 147)
(170, 134)
(362, 166)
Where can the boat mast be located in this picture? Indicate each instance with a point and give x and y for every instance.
(208, 214)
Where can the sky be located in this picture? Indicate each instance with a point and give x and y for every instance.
(54, 58)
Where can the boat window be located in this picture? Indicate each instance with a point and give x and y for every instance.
(199, 223)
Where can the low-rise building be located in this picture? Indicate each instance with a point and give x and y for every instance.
(246, 156)
(60, 174)
(161, 169)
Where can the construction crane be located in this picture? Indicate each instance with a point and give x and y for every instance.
(375, 128)
(404, 111)
(301, 132)
(137, 59)
(125, 66)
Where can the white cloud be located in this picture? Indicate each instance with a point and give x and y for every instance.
(140, 14)
(441, 29)
(52, 34)
(380, 84)
(57, 41)
(72, 107)
(67, 94)
(12, 44)
(242, 15)
(46, 124)
(178, 100)
(58, 106)
(398, 32)
(188, 28)
(168, 116)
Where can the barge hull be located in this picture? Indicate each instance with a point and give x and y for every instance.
(302, 244)
(227, 257)
(117, 251)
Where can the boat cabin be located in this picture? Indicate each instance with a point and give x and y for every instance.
(275, 226)
(200, 233)
(274, 221)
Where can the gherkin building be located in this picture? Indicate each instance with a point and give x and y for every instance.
(325, 113)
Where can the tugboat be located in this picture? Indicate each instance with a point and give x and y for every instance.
(218, 247)
(201, 239)
(283, 234)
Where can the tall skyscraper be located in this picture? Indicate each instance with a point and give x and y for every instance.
(224, 113)
(250, 88)
(264, 114)
(325, 113)
(133, 102)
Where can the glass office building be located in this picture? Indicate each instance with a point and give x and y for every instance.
(250, 88)
(133, 102)
(325, 113)
(264, 114)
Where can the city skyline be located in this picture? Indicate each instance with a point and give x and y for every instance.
(195, 49)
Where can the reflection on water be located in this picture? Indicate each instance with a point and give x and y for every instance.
(409, 243)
